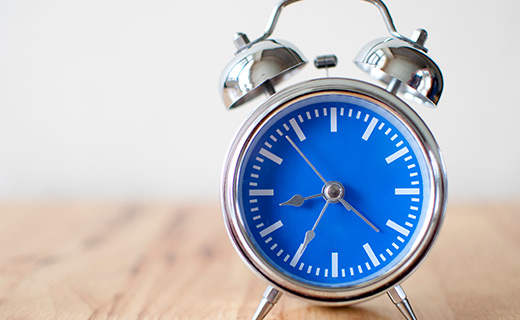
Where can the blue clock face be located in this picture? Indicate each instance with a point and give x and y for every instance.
(333, 189)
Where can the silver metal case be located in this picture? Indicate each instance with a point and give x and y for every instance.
(435, 207)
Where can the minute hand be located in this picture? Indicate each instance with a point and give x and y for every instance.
(349, 207)
(309, 235)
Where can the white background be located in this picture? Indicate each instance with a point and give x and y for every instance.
(106, 99)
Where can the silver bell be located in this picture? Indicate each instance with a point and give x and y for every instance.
(256, 68)
(390, 60)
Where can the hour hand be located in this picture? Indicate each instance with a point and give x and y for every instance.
(298, 200)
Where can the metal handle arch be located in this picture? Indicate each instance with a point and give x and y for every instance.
(277, 11)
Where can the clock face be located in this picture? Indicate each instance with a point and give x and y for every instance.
(333, 190)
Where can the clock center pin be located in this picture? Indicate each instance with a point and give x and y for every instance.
(333, 191)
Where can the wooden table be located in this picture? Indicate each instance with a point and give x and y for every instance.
(142, 261)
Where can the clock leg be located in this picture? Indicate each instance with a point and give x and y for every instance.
(398, 297)
(270, 298)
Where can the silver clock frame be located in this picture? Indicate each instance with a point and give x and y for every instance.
(379, 285)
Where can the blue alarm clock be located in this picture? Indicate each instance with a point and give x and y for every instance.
(334, 189)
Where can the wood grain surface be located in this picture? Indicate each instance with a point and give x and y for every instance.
(160, 261)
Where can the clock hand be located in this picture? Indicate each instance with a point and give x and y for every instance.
(349, 207)
(305, 158)
(343, 202)
(309, 235)
(298, 200)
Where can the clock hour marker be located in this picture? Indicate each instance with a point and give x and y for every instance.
(261, 192)
(297, 256)
(275, 226)
(334, 265)
(407, 191)
(297, 129)
(371, 254)
(397, 228)
(369, 129)
(271, 156)
(399, 153)
(333, 119)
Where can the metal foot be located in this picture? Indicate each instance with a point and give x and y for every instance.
(270, 298)
(398, 297)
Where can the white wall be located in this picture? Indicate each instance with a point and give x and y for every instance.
(107, 99)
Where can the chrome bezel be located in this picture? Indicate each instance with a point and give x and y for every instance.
(435, 211)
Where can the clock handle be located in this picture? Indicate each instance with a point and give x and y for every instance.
(277, 11)
(398, 297)
(270, 298)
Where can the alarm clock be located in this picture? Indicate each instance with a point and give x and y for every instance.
(334, 189)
